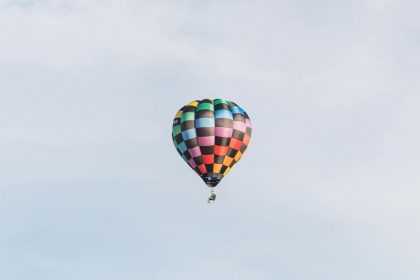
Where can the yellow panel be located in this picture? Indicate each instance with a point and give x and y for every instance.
(178, 114)
(227, 160)
(226, 171)
(194, 103)
(217, 167)
(238, 156)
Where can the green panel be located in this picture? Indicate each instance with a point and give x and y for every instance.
(175, 144)
(205, 106)
(176, 130)
(218, 101)
(188, 116)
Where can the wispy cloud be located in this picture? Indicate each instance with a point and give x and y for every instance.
(90, 183)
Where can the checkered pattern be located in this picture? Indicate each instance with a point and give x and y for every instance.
(211, 136)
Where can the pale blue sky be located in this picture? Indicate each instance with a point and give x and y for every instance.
(92, 188)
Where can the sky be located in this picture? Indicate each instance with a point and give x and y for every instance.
(91, 186)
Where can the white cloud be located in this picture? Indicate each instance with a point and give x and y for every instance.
(326, 190)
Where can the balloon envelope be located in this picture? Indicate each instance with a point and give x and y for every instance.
(211, 135)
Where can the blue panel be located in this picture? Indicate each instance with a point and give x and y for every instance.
(223, 114)
(189, 134)
(237, 110)
(182, 147)
(204, 122)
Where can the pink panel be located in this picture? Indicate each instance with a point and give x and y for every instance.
(238, 125)
(206, 141)
(195, 152)
(248, 123)
(192, 163)
(224, 132)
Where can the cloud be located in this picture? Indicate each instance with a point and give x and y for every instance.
(92, 187)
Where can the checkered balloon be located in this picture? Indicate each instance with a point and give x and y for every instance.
(211, 136)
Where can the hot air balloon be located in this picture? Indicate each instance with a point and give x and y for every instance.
(211, 135)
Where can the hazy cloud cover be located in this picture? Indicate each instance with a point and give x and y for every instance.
(91, 186)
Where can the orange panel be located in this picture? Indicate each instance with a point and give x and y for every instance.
(179, 114)
(235, 143)
(220, 150)
(203, 169)
(208, 159)
(238, 156)
(227, 161)
(246, 139)
(217, 167)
